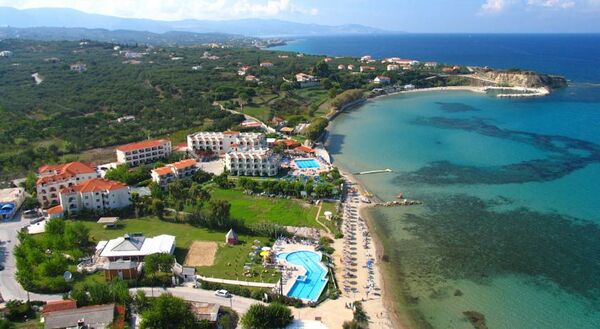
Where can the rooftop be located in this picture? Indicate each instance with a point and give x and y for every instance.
(97, 316)
(57, 172)
(205, 311)
(137, 245)
(141, 145)
(59, 305)
(95, 185)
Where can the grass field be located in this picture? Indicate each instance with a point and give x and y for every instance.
(262, 113)
(253, 209)
(229, 260)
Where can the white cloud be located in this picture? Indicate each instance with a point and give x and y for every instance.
(172, 10)
(561, 4)
(494, 6)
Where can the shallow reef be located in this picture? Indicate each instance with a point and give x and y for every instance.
(565, 155)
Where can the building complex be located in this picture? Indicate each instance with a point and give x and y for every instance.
(138, 153)
(260, 162)
(223, 142)
(53, 178)
(173, 171)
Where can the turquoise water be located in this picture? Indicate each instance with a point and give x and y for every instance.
(309, 286)
(510, 225)
(307, 164)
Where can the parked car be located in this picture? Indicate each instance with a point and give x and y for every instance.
(222, 293)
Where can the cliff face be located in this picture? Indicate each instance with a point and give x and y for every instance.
(523, 79)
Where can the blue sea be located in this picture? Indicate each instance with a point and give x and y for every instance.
(510, 225)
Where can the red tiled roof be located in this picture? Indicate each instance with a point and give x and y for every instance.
(231, 132)
(55, 210)
(141, 145)
(184, 163)
(304, 149)
(59, 305)
(162, 171)
(65, 170)
(288, 142)
(95, 185)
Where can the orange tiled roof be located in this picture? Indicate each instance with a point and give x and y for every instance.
(163, 171)
(59, 305)
(231, 132)
(95, 185)
(304, 149)
(141, 145)
(184, 163)
(55, 210)
(65, 170)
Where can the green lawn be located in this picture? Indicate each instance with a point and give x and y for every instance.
(253, 209)
(262, 113)
(229, 260)
(329, 206)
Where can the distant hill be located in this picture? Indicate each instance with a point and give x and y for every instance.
(70, 18)
(126, 36)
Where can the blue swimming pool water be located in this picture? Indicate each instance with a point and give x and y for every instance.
(307, 164)
(309, 286)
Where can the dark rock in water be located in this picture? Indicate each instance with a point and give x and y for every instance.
(477, 319)
(458, 293)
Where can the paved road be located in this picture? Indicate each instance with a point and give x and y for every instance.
(239, 304)
(9, 287)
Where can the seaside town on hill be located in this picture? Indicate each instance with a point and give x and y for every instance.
(233, 207)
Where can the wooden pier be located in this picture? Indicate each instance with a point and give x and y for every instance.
(379, 171)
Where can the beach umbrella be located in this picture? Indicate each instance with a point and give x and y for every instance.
(266, 249)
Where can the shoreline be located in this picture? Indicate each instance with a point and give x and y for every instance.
(528, 92)
(387, 300)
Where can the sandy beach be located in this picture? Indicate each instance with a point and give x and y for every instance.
(376, 301)
(522, 91)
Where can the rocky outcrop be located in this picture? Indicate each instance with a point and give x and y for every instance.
(525, 79)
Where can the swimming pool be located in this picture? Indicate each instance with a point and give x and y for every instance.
(307, 287)
(307, 164)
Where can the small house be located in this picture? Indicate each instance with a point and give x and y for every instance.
(231, 238)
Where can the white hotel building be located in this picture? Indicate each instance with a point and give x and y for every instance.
(143, 152)
(173, 171)
(252, 163)
(97, 194)
(223, 142)
(53, 178)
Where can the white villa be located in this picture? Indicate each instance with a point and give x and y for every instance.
(383, 80)
(97, 194)
(252, 163)
(266, 64)
(134, 247)
(223, 142)
(306, 80)
(393, 67)
(143, 152)
(173, 171)
(53, 178)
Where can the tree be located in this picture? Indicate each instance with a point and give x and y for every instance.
(222, 181)
(55, 227)
(169, 312)
(77, 234)
(316, 128)
(159, 262)
(30, 203)
(219, 210)
(158, 208)
(201, 176)
(5, 324)
(260, 316)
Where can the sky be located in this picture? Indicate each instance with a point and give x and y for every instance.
(501, 16)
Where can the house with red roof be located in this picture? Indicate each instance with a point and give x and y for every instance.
(142, 152)
(96, 194)
(53, 178)
(174, 171)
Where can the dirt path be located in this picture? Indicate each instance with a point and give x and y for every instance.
(318, 215)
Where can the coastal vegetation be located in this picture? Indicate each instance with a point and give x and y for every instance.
(118, 93)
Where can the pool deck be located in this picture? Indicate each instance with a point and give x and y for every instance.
(293, 270)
